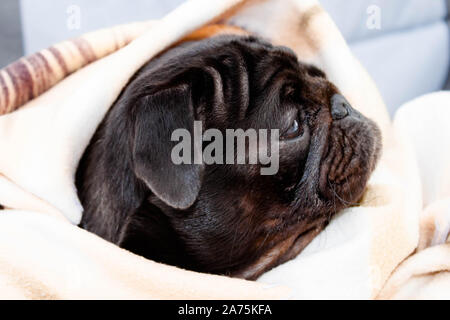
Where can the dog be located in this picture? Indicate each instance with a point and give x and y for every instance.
(223, 218)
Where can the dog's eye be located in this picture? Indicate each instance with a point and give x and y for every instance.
(293, 132)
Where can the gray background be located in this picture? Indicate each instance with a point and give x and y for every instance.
(10, 32)
(49, 18)
(409, 56)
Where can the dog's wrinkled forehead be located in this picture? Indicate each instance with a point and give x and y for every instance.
(250, 79)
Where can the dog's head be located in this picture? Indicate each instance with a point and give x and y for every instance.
(229, 218)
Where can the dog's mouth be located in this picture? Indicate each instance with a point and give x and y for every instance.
(353, 149)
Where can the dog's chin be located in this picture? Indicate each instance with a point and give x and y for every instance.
(354, 148)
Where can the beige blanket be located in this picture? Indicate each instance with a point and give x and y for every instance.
(426, 273)
(43, 255)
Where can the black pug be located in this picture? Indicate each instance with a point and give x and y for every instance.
(224, 219)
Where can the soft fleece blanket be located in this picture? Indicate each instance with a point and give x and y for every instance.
(60, 95)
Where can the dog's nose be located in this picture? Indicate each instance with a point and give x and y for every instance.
(339, 107)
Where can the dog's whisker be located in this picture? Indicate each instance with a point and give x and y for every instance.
(349, 188)
(230, 257)
(348, 203)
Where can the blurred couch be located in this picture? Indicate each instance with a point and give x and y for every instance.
(404, 44)
(409, 55)
(10, 32)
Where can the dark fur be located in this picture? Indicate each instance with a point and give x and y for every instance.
(225, 219)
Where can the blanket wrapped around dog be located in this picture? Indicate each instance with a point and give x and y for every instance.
(60, 95)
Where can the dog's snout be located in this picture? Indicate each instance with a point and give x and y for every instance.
(339, 107)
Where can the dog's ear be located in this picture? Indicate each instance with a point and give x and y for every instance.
(156, 117)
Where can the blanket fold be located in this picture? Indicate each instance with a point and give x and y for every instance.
(426, 273)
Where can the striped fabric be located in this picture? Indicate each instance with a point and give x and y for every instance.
(31, 76)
